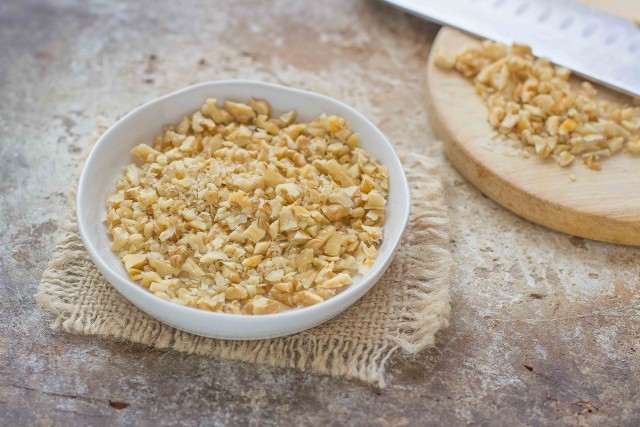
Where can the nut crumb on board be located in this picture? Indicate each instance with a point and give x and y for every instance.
(532, 100)
(444, 59)
(236, 211)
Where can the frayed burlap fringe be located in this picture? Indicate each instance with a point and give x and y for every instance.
(402, 312)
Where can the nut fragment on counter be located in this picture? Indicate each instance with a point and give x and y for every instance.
(238, 211)
(532, 100)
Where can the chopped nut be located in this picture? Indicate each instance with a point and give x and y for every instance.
(289, 191)
(339, 173)
(255, 232)
(261, 248)
(305, 280)
(275, 276)
(148, 277)
(565, 158)
(341, 197)
(287, 221)
(252, 261)
(261, 107)
(158, 287)
(334, 244)
(263, 305)
(634, 145)
(236, 292)
(234, 211)
(336, 281)
(335, 212)
(444, 60)
(532, 100)
(143, 153)
(307, 298)
(214, 256)
(284, 286)
(162, 268)
(375, 200)
(134, 260)
(241, 112)
(304, 260)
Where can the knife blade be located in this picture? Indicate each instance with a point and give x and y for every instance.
(592, 43)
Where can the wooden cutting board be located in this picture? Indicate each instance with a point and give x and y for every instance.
(600, 205)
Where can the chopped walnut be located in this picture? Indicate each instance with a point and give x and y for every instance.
(237, 211)
(532, 100)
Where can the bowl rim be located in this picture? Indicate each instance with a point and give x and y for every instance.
(371, 276)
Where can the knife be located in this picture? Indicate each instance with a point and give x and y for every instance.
(592, 43)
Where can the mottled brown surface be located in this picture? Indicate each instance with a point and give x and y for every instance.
(545, 327)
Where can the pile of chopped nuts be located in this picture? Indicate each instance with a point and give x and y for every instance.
(236, 211)
(532, 100)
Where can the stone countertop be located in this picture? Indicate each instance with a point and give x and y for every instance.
(545, 327)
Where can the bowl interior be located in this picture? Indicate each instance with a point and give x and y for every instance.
(112, 153)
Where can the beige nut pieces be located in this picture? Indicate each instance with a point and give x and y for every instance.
(236, 211)
(532, 100)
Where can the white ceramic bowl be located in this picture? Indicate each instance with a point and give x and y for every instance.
(112, 153)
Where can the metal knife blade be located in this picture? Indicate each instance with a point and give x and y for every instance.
(590, 42)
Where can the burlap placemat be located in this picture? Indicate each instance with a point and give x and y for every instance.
(403, 311)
